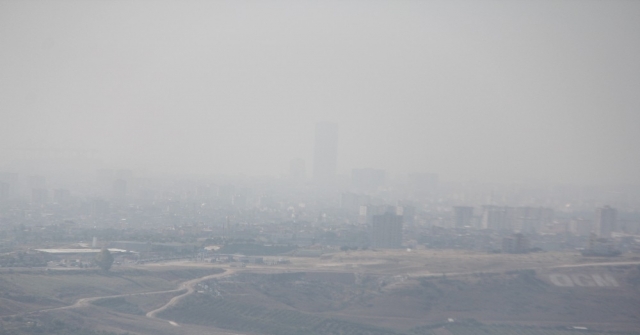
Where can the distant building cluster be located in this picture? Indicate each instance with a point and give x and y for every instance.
(304, 214)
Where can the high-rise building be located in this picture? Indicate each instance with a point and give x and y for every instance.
(463, 216)
(531, 219)
(605, 221)
(325, 152)
(386, 231)
(492, 217)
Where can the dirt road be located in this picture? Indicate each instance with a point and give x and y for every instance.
(189, 286)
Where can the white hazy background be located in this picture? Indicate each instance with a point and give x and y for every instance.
(489, 90)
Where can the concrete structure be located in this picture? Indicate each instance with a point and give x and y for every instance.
(600, 247)
(325, 152)
(605, 221)
(516, 244)
(78, 251)
(386, 231)
(463, 216)
(497, 218)
(531, 219)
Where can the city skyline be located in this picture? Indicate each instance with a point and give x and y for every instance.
(319, 167)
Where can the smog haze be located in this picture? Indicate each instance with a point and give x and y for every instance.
(495, 91)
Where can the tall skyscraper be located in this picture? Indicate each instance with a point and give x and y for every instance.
(325, 152)
(605, 221)
(498, 218)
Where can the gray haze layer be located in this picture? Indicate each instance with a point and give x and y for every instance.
(487, 90)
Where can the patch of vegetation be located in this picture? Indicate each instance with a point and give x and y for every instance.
(104, 259)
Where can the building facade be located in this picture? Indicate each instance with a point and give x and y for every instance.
(605, 221)
(386, 231)
(463, 216)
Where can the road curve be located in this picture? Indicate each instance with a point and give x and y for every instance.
(189, 286)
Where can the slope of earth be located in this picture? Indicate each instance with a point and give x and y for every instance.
(306, 302)
(518, 297)
(23, 291)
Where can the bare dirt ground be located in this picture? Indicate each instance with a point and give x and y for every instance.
(189, 287)
(392, 289)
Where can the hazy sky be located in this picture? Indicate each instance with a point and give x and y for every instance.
(488, 90)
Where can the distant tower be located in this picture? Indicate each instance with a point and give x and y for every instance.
(605, 221)
(325, 152)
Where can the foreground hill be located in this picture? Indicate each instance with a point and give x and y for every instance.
(390, 292)
(355, 303)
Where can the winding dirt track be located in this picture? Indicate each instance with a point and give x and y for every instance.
(187, 285)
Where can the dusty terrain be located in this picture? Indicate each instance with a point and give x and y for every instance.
(363, 292)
